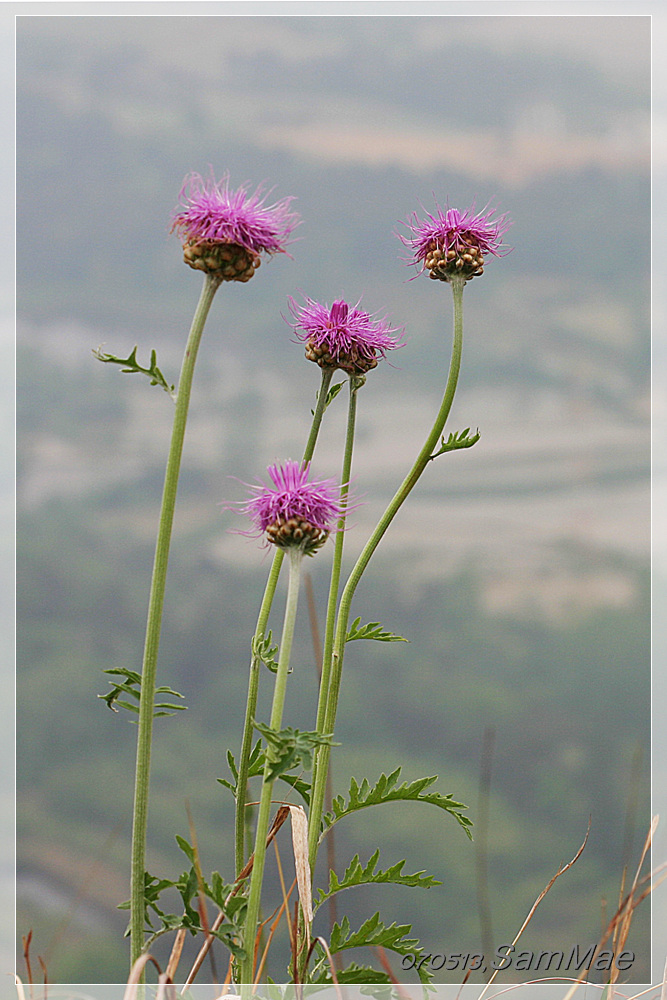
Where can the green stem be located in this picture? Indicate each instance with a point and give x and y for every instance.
(355, 385)
(319, 781)
(252, 913)
(260, 631)
(153, 624)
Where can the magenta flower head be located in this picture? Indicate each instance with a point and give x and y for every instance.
(453, 242)
(294, 512)
(342, 336)
(225, 231)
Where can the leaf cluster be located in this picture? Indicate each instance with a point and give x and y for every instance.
(256, 765)
(287, 748)
(130, 685)
(190, 885)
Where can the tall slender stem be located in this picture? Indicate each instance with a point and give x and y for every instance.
(260, 632)
(154, 621)
(319, 780)
(355, 385)
(252, 913)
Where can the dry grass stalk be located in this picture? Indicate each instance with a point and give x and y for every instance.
(332, 966)
(301, 864)
(26, 939)
(283, 890)
(201, 895)
(277, 914)
(175, 956)
(384, 962)
(622, 926)
(618, 927)
(279, 819)
(136, 973)
(42, 965)
(539, 899)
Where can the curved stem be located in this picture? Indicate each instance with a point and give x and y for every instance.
(252, 913)
(154, 621)
(368, 550)
(355, 385)
(260, 632)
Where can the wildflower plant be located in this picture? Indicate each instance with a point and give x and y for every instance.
(224, 234)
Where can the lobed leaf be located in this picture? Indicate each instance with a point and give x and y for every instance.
(373, 630)
(264, 649)
(387, 789)
(356, 874)
(456, 440)
(373, 933)
(132, 687)
(132, 366)
(352, 974)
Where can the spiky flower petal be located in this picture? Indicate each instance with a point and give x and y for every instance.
(342, 336)
(452, 242)
(294, 511)
(225, 231)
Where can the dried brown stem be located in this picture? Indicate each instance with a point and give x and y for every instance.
(539, 899)
(278, 820)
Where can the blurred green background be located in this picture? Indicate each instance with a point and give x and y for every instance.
(519, 571)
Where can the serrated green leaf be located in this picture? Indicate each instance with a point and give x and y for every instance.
(356, 874)
(373, 933)
(373, 630)
(132, 366)
(352, 974)
(455, 441)
(387, 789)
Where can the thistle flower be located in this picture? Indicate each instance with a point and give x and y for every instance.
(342, 336)
(294, 511)
(225, 231)
(453, 242)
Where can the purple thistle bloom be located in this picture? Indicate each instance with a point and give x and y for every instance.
(342, 336)
(294, 511)
(209, 211)
(224, 231)
(452, 241)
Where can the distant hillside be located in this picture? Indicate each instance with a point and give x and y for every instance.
(519, 571)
